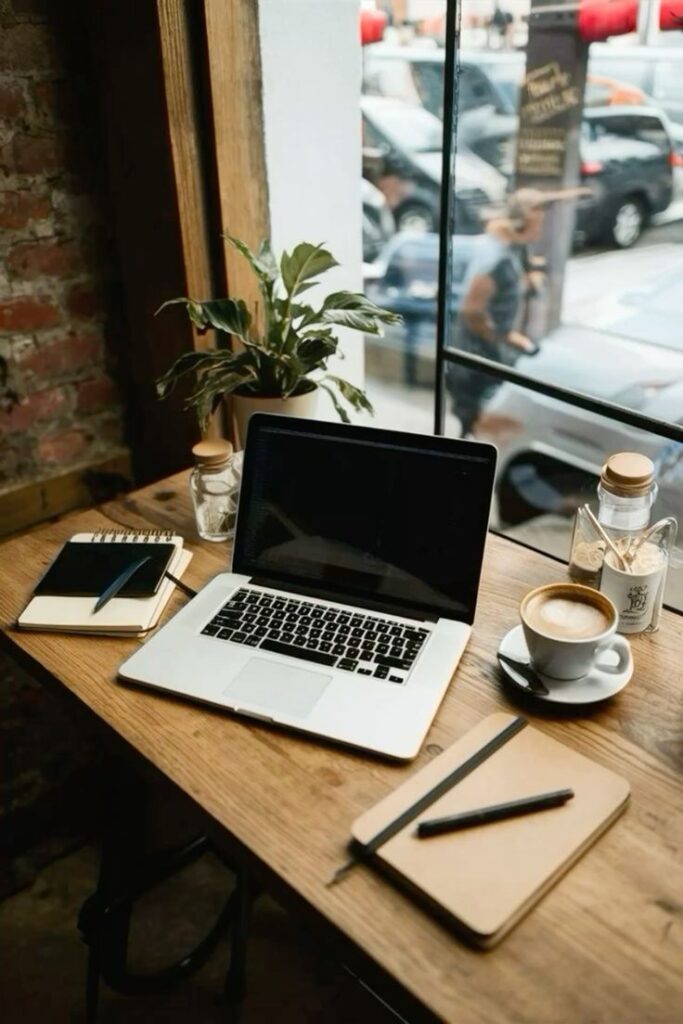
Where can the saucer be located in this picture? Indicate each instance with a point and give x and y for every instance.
(597, 685)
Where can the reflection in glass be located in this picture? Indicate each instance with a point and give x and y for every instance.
(550, 457)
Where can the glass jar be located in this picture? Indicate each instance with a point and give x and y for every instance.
(626, 493)
(636, 586)
(214, 487)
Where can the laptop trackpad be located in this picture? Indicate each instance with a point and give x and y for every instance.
(276, 688)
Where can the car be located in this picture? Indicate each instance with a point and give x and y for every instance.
(415, 75)
(628, 156)
(402, 146)
(627, 161)
(378, 223)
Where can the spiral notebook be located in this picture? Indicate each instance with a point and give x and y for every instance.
(483, 880)
(64, 599)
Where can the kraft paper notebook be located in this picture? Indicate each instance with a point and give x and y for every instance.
(482, 880)
(65, 597)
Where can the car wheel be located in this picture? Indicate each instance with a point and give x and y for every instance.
(627, 222)
(415, 217)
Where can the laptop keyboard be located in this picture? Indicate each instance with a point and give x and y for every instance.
(353, 641)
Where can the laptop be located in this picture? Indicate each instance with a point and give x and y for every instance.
(353, 585)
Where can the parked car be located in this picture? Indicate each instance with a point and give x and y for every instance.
(415, 75)
(378, 223)
(402, 156)
(627, 161)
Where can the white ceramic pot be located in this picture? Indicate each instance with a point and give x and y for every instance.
(244, 405)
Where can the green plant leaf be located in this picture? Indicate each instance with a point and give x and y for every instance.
(354, 310)
(187, 363)
(194, 310)
(229, 315)
(340, 410)
(306, 261)
(263, 262)
(353, 395)
(315, 348)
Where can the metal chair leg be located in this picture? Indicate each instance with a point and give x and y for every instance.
(236, 977)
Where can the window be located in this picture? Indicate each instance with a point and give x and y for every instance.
(561, 346)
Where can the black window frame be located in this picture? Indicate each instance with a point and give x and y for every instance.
(446, 354)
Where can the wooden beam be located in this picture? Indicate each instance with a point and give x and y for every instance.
(180, 83)
(234, 69)
(152, 135)
(79, 487)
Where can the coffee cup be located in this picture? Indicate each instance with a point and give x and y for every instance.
(568, 627)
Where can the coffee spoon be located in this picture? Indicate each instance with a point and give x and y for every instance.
(536, 685)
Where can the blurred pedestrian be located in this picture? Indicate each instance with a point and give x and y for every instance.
(497, 279)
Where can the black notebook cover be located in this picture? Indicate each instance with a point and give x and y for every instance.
(84, 569)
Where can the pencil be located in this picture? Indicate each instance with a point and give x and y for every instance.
(495, 812)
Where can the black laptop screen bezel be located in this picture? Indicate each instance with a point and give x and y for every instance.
(486, 453)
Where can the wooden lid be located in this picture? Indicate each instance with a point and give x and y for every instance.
(628, 473)
(212, 454)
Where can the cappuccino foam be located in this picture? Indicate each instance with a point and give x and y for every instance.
(565, 617)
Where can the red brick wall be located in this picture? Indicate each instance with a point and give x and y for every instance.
(54, 263)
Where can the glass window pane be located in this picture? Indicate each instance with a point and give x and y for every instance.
(574, 282)
(402, 110)
(550, 455)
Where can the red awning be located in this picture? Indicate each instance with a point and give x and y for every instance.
(372, 25)
(600, 19)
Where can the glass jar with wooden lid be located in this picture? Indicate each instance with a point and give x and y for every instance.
(214, 487)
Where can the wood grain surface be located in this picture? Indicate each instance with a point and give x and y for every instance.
(605, 946)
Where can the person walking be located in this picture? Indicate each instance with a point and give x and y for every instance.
(497, 280)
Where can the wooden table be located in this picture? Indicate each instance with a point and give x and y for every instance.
(605, 945)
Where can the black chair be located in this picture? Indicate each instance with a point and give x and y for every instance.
(124, 877)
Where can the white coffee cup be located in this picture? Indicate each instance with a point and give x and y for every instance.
(568, 627)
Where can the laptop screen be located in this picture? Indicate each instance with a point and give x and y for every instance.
(374, 517)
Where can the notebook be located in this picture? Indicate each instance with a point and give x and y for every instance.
(65, 597)
(482, 880)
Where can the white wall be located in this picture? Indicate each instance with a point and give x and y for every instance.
(311, 63)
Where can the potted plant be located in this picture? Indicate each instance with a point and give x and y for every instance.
(282, 356)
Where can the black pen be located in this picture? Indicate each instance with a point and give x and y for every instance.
(496, 812)
(120, 581)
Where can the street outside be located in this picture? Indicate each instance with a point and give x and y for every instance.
(406, 407)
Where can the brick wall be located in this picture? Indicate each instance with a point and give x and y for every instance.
(54, 260)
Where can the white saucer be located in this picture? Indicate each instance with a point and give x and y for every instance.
(589, 689)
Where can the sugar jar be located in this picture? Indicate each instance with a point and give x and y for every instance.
(626, 494)
(214, 487)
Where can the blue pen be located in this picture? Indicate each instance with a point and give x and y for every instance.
(120, 581)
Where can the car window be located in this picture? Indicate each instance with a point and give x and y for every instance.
(410, 128)
(428, 77)
(371, 137)
(474, 89)
(392, 77)
(632, 126)
(669, 81)
(507, 77)
(622, 68)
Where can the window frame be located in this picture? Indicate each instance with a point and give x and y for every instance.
(445, 353)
